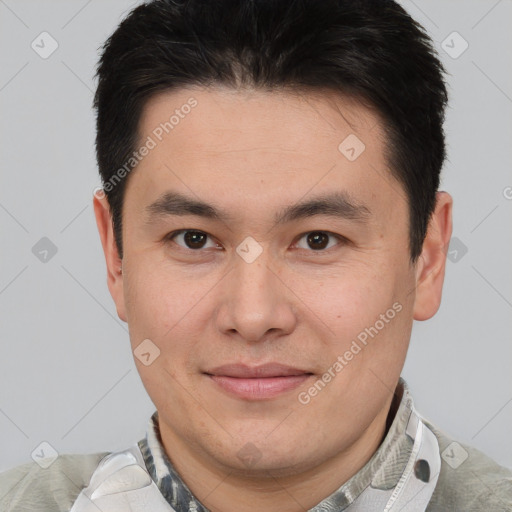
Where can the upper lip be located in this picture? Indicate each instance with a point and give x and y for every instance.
(242, 371)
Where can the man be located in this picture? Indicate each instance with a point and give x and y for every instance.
(272, 225)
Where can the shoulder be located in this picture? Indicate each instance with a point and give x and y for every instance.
(30, 487)
(469, 480)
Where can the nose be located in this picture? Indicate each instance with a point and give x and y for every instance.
(256, 303)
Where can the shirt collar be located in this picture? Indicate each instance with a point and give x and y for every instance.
(382, 471)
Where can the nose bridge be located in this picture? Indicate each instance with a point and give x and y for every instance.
(253, 280)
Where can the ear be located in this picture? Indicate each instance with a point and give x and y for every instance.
(114, 262)
(432, 261)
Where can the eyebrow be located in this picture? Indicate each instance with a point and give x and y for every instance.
(335, 204)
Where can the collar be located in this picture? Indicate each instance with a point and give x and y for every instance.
(407, 455)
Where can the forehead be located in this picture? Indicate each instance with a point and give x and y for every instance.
(313, 120)
(280, 145)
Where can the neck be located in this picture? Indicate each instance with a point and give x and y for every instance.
(222, 489)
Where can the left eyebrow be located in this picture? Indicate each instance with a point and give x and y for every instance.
(337, 204)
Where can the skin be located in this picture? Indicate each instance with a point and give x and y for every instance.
(253, 153)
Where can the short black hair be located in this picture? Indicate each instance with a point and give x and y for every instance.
(368, 49)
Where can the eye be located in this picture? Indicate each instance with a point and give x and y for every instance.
(195, 240)
(319, 240)
(192, 239)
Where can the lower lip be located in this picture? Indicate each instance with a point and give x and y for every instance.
(259, 389)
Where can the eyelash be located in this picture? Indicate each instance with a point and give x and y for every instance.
(341, 239)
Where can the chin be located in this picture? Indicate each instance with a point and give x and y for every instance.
(264, 457)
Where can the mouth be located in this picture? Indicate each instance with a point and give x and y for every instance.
(257, 382)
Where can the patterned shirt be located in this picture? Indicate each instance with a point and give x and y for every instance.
(464, 479)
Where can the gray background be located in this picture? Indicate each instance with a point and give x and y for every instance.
(67, 375)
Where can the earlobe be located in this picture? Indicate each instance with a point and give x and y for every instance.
(432, 261)
(112, 259)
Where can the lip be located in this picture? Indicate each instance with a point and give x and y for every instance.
(257, 382)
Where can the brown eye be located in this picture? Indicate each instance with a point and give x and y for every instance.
(319, 240)
(194, 239)
(191, 239)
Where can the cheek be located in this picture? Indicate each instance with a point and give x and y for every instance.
(167, 307)
(351, 302)
(161, 310)
(154, 303)
(370, 308)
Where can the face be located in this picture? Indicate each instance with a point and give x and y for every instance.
(273, 325)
